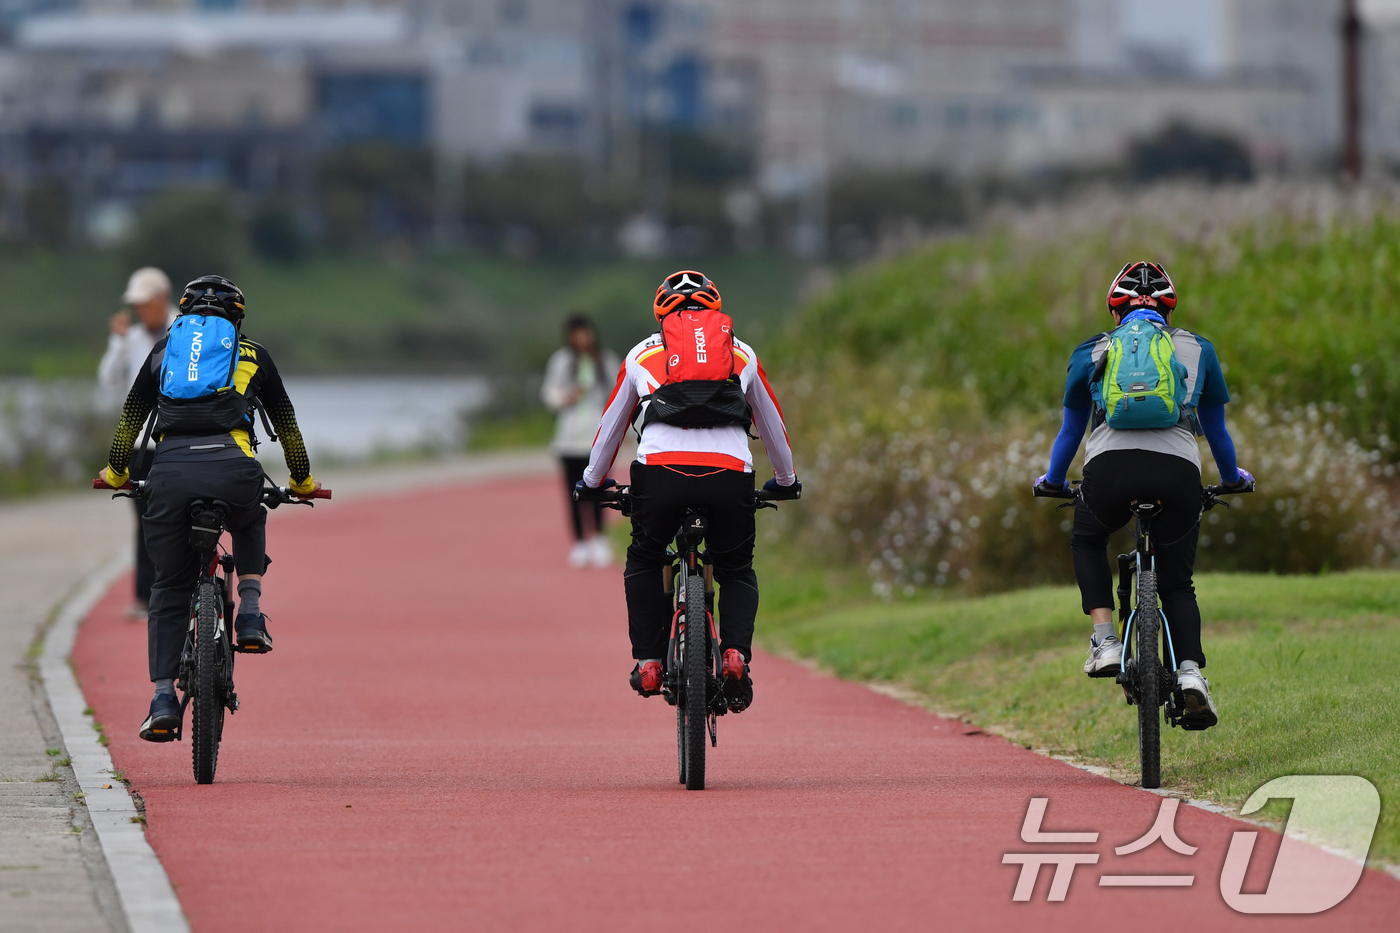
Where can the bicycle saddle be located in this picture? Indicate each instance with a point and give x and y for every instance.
(207, 523)
(694, 526)
(1145, 509)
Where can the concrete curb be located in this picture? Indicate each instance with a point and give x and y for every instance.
(147, 899)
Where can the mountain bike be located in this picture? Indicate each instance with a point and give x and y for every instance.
(1147, 682)
(206, 661)
(693, 672)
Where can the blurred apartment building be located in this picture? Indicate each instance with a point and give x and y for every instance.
(122, 98)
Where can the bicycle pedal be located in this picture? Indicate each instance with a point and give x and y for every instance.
(1106, 672)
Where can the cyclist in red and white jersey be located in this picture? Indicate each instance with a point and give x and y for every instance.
(707, 468)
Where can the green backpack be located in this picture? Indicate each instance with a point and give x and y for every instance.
(1139, 382)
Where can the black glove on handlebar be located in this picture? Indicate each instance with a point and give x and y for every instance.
(783, 492)
(583, 492)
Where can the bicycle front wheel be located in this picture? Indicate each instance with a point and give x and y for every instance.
(208, 701)
(697, 659)
(680, 740)
(1148, 680)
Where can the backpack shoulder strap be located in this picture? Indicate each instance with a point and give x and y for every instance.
(237, 352)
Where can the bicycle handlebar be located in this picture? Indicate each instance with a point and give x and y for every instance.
(274, 494)
(1046, 491)
(1210, 495)
(620, 497)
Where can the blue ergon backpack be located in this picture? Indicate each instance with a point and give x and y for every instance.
(1139, 382)
(197, 394)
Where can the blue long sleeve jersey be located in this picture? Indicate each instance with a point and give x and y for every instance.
(1077, 419)
(1209, 397)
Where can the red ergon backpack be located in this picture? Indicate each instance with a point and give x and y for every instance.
(701, 389)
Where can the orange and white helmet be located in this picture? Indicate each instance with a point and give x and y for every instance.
(683, 288)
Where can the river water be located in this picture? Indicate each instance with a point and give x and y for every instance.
(341, 418)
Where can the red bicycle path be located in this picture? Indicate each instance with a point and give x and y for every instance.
(444, 739)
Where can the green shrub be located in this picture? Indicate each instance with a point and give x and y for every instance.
(923, 395)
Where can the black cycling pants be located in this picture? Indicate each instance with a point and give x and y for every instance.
(145, 567)
(573, 472)
(1111, 481)
(174, 485)
(660, 497)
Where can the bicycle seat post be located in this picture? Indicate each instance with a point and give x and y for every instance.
(1145, 513)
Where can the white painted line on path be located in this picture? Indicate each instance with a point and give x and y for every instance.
(148, 901)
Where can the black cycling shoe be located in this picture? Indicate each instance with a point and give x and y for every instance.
(647, 678)
(250, 635)
(738, 685)
(739, 693)
(163, 725)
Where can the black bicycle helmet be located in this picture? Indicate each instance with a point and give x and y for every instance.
(1141, 280)
(213, 294)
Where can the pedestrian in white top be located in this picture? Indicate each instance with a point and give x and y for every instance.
(129, 344)
(576, 384)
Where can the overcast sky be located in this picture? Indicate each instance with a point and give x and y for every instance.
(1196, 27)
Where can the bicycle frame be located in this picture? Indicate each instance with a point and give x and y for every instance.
(212, 561)
(688, 565)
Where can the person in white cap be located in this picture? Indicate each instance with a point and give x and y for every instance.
(129, 344)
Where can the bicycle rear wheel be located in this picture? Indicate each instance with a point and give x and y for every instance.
(208, 702)
(1148, 680)
(696, 667)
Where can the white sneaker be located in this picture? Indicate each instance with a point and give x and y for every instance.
(580, 554)
(1105, 657)
(600, 552)
(1200, 708)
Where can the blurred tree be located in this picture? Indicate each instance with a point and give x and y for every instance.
(274, 232)
(188, 232)
(527, 204)
(373, 192)
(1181, 149)
(47, 209)
(864, 207)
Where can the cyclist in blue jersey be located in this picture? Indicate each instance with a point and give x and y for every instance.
(1122, 465)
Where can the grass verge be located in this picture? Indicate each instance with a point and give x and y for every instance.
(1302, 668)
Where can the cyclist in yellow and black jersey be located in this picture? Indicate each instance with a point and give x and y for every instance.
(205, 450)
(256, 379)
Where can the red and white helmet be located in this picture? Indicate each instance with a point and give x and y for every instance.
(1141, 280)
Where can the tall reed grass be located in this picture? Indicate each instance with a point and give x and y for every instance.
(923, 394)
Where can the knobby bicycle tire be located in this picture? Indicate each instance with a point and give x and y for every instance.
(208, 719)
(674, 664)
(680, 740)
(1149, 680)
(696, 668)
